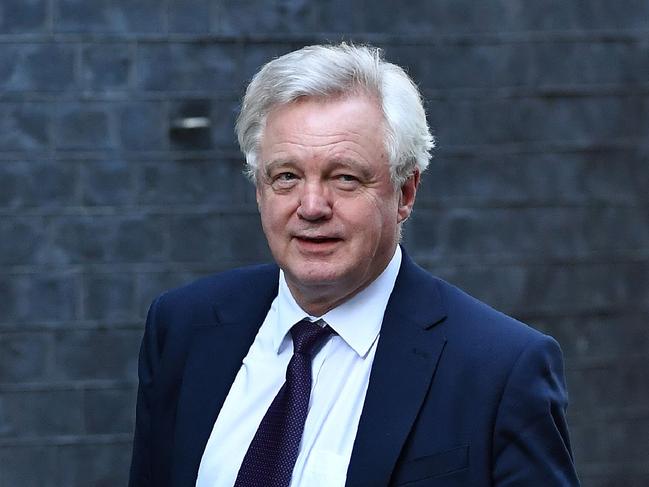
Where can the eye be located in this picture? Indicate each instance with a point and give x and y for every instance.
(284, 180)
(285, 176)
(346, 182)
(347, 178)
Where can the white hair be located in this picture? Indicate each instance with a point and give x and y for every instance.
(330, 71)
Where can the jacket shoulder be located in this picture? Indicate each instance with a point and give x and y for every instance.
(195, 301)
(459, 314)
(478, 324)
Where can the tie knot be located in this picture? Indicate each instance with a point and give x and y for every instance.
(308, 336)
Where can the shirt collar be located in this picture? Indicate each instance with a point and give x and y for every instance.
(357, 321)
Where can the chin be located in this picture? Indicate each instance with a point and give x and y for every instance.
(316, 274)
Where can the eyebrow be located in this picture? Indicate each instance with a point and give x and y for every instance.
(268, 166)
(334, 163)
(352, 164)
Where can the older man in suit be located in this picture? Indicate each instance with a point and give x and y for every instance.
(344, 363)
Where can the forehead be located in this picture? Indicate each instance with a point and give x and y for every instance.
(321, 107)
(326, 126)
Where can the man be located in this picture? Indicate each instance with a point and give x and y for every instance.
(405, 380)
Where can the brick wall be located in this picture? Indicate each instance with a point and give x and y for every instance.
(536, 200)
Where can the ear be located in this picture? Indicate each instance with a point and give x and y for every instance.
(407, 195)
(257, 192)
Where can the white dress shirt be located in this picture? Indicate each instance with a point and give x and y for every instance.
(341, 371)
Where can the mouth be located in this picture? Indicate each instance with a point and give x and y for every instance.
(318, 242)
(318, 239)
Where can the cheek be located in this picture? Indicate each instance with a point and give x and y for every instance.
(267, 218)
(380, 211)
(272, 226)
(369, 222)
(274, 217)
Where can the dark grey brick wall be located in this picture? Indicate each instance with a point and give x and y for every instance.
(536, 200)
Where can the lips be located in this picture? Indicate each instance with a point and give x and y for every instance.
(316, 242)
(320, 239)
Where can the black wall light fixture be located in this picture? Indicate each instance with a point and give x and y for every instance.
(190, 125)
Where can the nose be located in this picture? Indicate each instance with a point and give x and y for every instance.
(314, 203)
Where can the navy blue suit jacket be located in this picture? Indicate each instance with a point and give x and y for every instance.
(459, 394)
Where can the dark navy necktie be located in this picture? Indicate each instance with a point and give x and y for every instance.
(271, 455)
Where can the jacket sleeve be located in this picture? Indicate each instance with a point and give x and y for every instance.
(531, 441)
(141, 462)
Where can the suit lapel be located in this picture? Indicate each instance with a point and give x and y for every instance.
(408, 352)
(214, 357)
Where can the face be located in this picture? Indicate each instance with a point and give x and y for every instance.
(328, 206)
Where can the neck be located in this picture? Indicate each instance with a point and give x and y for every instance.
(318, 299)
(318, 303)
